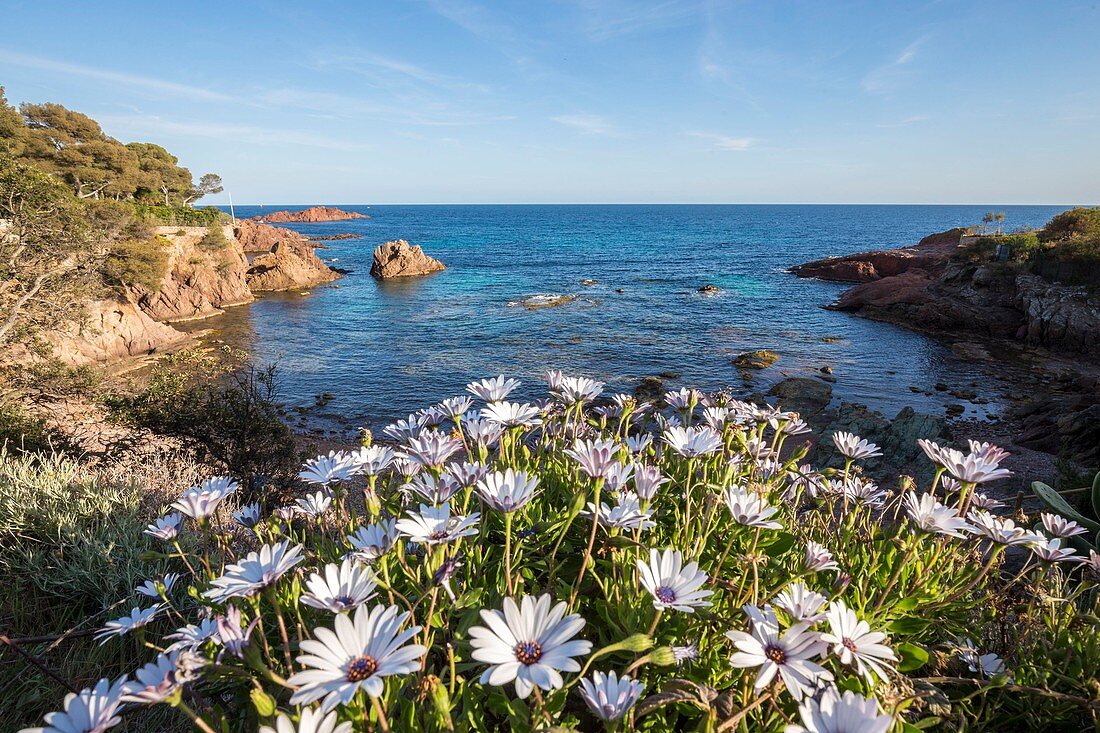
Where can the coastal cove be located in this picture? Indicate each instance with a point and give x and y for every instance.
(382, 349)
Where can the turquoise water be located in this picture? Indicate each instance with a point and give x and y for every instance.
(386, 349)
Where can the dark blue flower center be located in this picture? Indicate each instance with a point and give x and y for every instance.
(528, 652)
(775, 653)
(665, 594)
(361, 668)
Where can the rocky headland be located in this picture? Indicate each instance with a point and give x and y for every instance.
(312, 215)
(206, 272)
(400, 259)
(1039, 338)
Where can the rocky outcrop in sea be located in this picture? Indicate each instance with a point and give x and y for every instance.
(400, 259)
(311, 215)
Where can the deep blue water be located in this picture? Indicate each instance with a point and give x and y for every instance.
(385, 349)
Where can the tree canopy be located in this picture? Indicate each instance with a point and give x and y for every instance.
(74, 149)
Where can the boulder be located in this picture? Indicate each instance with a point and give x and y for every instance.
(806, 396)
(401, 259)
(709, 289)
(257, 237)
(931, 253)
(759, 359)
(311, 215)
(289, 265)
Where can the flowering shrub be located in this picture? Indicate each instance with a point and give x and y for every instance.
(580, 564)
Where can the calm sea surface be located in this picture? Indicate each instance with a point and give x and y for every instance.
(385, 349)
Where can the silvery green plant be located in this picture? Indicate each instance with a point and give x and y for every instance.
(586, 565)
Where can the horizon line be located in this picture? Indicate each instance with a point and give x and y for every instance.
(652, 203)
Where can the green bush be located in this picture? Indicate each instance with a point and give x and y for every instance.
(22, 432)
(236, 426)
(214, 240)
(184, 216)
(1079, 223)
(141, 262)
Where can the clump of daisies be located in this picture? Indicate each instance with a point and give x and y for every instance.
(577, 559)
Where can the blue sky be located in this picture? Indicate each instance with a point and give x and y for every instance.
(587, 100)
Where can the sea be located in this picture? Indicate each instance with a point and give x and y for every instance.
(361, 353)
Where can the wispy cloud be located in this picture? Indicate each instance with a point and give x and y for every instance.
(605, 19)
(886, 78)
(725, 142)
(586, 124)
(146, 126)
(147, 83)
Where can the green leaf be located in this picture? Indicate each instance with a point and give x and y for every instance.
(912, 656)
(264, 703)
(908, 625)
(782, 542)
(907, 604)
(1057, 502)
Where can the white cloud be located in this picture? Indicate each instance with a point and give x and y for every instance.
(586, 124)
(160, 86)
(888, 77)
(725, 142)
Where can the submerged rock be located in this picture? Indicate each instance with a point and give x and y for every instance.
(708, 289)
(536, 302)
(759, 359)
(401, 259)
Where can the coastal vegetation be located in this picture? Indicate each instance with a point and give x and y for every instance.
(582, 563)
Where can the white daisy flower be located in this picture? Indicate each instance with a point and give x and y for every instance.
(336, 466)
(988, 451)
(818, 558)
(155, 682)
(672, 584)
(788, 655)
(138, 618)
(801, 603)
(512, 414)
(854, 447)
(92, 710)
(374, 540)
(432, 448)
(456, 407)
(684, 398)
(482, 432)
(609, 696)
(358, 654)
(863, 491)
(638, 443)
(507, 491)
(255, 572)
(310, 721)
(193, 636)
(530, 644)
(155, 588)
(750, 509)
(837, 713)
(1052, 551)
(435, 525)
(571, 390)
(934, 451)
(314, 505)
(231, 635)
(200, 502)
(248, 516)
(433, 490)
(372, 460)
(855, 643)
(973, 468)
(616, 475)
(492, 390)
(1001, 530)
(166, 528)
(341, 588)
(693, 442)
(626, 514)
(647, 481)
(594, 456)
(987, 665)
(1058, 526)
(406, 429)
(466, 475)
(933, 517)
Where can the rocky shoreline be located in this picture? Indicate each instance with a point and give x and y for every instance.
(1039, 339)
(312, 215)
(204, 275)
